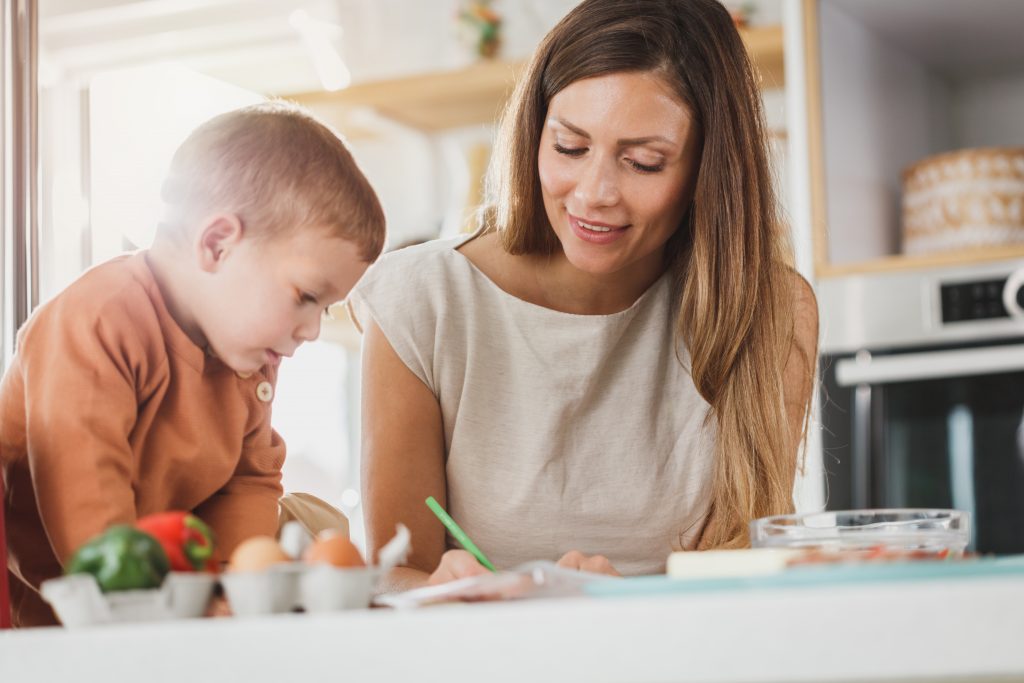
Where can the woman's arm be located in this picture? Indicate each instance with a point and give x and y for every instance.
(403, 463)
(402, 459)
(799, 373)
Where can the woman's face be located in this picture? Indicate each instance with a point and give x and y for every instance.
(617, 162)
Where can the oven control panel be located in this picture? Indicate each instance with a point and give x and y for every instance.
(977, 300)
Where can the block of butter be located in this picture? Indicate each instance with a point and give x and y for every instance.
(714, 564)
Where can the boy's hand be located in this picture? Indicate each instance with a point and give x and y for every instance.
(218, 607)
(456, 564)
(598, 564)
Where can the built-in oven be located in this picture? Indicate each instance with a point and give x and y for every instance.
(922, 395)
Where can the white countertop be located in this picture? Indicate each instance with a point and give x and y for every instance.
(952, 629)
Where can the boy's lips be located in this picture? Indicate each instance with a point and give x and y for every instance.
(274, 358)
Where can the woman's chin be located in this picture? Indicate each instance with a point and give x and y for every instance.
(595, 265)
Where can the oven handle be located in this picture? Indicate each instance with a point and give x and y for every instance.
(1013, 294)
(909, 367)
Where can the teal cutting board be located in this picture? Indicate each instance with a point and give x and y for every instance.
(819, 575)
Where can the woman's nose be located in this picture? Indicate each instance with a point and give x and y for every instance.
(598, 183)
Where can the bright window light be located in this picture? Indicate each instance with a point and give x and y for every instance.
(137, 118)
(329, 66)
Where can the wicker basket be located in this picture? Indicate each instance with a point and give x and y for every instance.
(966, 199)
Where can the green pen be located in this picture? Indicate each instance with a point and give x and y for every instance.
(458, 533)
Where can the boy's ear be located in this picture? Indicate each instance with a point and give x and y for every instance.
(218, 236)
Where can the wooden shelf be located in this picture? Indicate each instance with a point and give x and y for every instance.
(432, 101)
(890, 264)
(477, 94)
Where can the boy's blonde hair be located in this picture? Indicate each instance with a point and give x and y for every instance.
(277, 168)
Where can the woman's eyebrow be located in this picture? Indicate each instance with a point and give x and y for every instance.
(624, 142)
(629, 142)
(575, 129)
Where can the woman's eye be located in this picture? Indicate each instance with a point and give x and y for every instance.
(644, 168)
(570, 151)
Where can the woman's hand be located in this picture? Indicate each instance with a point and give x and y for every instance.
(597, 564)
(456, 564)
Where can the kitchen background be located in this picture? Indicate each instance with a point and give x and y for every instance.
(855, 91)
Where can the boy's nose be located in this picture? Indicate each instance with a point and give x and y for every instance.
(309, 329)
(598, 183)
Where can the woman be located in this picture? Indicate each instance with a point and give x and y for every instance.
(619, 363)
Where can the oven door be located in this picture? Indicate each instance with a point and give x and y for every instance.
(937, 428)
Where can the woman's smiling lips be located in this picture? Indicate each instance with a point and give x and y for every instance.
(595, 232)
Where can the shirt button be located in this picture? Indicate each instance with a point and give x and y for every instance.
(265, 391)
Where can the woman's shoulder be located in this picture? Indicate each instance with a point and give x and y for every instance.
(511, 274)
(446, 259)
(429, 249)
(805, 312)
(414, 281)
(483, 249)
(418, 263)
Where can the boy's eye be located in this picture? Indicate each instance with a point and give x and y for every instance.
(307, 298)
(570, 151)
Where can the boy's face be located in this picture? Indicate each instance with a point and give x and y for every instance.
(265, 298)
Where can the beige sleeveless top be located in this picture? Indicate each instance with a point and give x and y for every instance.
(563, 432)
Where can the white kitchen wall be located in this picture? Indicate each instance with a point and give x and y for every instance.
(880, 105)
(988, 110)
(137, 119)
(424, 180)
(402, 165)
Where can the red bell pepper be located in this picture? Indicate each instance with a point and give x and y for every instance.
(186, 539)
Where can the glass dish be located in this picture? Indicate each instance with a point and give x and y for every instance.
(909, 533)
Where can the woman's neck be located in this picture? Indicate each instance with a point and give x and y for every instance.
(553, 282)
(566, 288)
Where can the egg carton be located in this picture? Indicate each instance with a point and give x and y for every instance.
(78, 601)
(296, 586)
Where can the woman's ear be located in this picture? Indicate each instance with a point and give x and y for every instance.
(218, 236)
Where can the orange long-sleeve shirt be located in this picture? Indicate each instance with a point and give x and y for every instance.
(109, 412)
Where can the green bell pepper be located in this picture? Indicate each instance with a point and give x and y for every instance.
(122, 558)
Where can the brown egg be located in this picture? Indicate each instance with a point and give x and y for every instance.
(256, 554)
(334, 549)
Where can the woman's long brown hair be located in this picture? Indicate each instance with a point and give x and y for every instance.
(730, 255)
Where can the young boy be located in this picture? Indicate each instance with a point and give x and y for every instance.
(146, 385)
